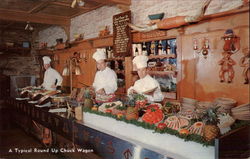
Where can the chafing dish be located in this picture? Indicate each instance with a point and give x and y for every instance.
(47, 97)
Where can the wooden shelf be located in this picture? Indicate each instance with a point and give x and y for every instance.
(162, 72)
(45, 52)
(162, 56)
(19, 50)
(115, 59)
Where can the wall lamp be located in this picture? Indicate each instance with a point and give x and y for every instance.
(72, 67)
(204, 48)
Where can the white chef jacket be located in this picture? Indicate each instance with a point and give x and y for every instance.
(50, 77)
(106, 79)
(148, 83)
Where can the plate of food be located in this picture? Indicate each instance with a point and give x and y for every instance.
(153, 114)
(109, 106)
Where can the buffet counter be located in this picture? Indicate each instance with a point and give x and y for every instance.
(168, 145)
(110, 138)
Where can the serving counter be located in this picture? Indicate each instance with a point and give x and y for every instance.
(110, 138)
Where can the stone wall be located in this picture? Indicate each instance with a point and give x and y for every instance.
(91, 22)
(18, 63)
(51, 34)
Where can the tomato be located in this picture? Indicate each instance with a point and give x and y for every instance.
(108, 111)
(161, 126)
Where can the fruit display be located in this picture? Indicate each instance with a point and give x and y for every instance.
(88, 102)
(153, 115)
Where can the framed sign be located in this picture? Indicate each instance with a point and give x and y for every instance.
(122, 34)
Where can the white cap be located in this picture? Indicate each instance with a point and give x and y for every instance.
(140, 61)
(100, 54)
(46, 60)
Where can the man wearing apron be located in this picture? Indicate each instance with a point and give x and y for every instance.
(52, 79)
(146, 85)
(105, 82)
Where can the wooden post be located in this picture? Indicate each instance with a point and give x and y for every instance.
(66, 28)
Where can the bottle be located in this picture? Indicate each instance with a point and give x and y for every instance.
(136, 51)
(109, 52)
(139, 47)
(152, 47)
(173, 48)
(160, 48)
(144, 49)
(156, 47)
(168, 49)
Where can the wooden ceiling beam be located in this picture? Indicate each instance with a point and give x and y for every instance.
(124, 2)
(35, 18)
(61, 3)
(85, 11)
(86, 6)
(39, 7)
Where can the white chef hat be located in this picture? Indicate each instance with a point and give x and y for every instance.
(140, 61)
(100, 54)
(46, 60)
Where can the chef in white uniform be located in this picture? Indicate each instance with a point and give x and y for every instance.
(105, 81)
(146, 85)
(52, 79)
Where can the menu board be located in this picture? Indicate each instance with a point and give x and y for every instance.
(122, 34)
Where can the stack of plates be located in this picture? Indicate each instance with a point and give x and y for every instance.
(241, 112)
(188, 104)
(202, 106)
(225, 104)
